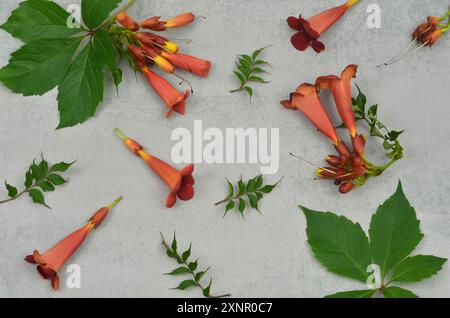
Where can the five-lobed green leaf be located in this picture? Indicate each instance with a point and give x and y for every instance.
(39, 66)
(417, 268)
(81, 91)
(39, 19)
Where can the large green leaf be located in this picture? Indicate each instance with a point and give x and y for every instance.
(417, 268)
(94, 12)
(81, 90)
(394, 232)
(338, 243)
(39, 66)
(38, 19)
(104, 48)
(367, 293)
(398, 292)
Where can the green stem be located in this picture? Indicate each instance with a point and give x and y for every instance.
(17, 196)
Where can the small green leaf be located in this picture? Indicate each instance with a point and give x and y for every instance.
(55, 179)
(230, 189)
(28, 179)
(12, 191)
(373, 112)
(241, 186)
(258, 79)
(368, 293)
(43, 166)
(230, 206)
(247, 58)
(46, 186)
(171, 254)
(199, 276)
(259, 195)
(37, 196)
(253, 201)
(393, 135)
(186, 284)
(240, 77)
(241, 205)
(174, 243)
(258, 52)
(267, 188)
(179, 271)
(249, 90)
(398, 292)
(260, 62)
(193, 265)
(186, 253)
(61, 167)
(251, 185)
(207, 290)
(361, 100)
(36, 171)
(259, 181)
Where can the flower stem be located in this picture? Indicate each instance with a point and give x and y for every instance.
(115, 202)
(119, 133)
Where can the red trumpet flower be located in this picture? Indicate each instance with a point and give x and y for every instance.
(180, 183)
(340, 87)
(309, 31)
(150, 39)
(189, 63)
(51, 261)
(306, 99)
(155, 24)
(124, 19)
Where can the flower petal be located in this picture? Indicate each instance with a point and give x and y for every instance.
(300, 41)
(186, 192)
(317, 46)
(294, 23)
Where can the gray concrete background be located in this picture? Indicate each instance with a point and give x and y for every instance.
(264, 255)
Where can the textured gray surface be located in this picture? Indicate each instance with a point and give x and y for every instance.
(265, 255)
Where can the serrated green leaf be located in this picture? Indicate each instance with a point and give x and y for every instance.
(193, 266)
(241, 187)
(28, 179)
(258, 79)
(46, 186)
(241, 205)
(417, 268)
(81, 91)
(186, 253)
(55, 179)
(398, 292)
(207, 290)
(249, 90)
(12, 190)
(338, 244)
(38, 19)
(240, 77)
(39, 66)
(230, 189)
(104, 48)
(94, 12)
(186, 284)
(61, 167)
(179, 271)
(37, 196)
(367, 293)
(394, 232)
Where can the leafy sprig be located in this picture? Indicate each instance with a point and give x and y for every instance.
(249, 70)
(254, 190)
(390, 138)
(188, 267)
(39, 178)
(343, 248)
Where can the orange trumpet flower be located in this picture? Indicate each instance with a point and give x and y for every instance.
(150, 39)
(340, 87)
(309, 31)
(189, 63)
(51, 261)
(306, 99)
(124, 19)
(155, 24)
(180, 183)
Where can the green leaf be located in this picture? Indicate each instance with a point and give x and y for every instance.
(171, 254)
(43, 166)
(338, 244)
(38, 19)
(367, 293)
(28, 179)
(258, 52)
(37, 196)
(61, 167)
(193, 265)
(39, 66)
(179, 271)
(174, 243)
(241, 205)
(251, 185)
(249, 90)
(373, 112)
(186, 253)
(46, 186)
(207, 290)
(186, 284)
(36, 171)
(12, 191)
(260, 62)
(230, 206)
(253, 201)
(245, 70)
(398, 292)
(267, 188)
(94, 12)
(361, 100)
(240, 77)
(394, 232)
(199, 276)
(259, 181)
(230, 189)
(393, 135)
(104, 48)
(81, 90)
(241, 187)
(417, 268)
(258, 79)
(56, 179)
